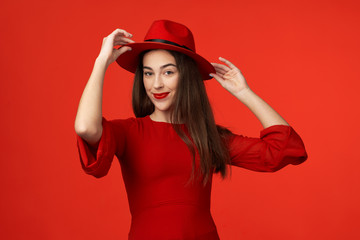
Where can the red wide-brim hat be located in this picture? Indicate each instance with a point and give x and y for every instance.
(168, 35)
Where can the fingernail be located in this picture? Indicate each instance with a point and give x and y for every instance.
(210, 75)
(129, 49)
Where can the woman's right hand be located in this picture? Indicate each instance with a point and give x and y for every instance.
(118, 37)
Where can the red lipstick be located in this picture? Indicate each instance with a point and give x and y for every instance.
(160, 95)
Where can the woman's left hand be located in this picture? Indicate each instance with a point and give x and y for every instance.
(229, 77)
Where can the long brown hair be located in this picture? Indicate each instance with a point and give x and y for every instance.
(192, 107)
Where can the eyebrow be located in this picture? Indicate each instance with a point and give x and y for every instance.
(164, 66)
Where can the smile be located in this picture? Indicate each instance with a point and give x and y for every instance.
(161, 95)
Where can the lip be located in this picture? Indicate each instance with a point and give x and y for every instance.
(160, 95)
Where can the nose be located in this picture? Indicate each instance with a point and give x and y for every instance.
(158, 82)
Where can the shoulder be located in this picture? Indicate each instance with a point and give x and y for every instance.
(128, 123)
(123, 121)
(225, 133)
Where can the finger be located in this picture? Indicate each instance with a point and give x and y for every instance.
(122, 32)
(221, 66)
(217, 78)
(120, 37)
(121, 50)
(123, 42)
(220, 73)
(119, 31)
(232, 66)
(219, 70)
(127, 40)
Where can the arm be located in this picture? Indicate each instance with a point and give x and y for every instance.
(233, 81)
(96, 160)
(88, 121)
(95, 135)
(88, 118)
(278, 145)
(263, 111)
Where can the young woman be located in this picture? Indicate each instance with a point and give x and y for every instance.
(173, 136)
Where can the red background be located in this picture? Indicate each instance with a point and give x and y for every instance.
(302, 57)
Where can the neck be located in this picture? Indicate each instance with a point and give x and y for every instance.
(160, 117)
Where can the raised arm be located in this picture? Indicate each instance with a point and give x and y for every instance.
(233, 81)
(278, 145)
(88, 121)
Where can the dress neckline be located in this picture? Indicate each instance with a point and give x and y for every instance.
(158, 122)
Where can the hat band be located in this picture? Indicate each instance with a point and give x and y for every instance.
(168, 42)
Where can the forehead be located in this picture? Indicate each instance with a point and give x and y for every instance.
(158, 58)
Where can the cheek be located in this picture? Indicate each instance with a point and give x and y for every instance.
(174, 83)
(147, 84)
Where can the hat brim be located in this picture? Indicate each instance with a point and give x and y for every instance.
(129, 60)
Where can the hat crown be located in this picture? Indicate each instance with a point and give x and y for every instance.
(171, 31)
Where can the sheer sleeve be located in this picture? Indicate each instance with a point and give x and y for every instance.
(96, 160)
(278, 146)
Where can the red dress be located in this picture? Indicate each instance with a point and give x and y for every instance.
(156, 164)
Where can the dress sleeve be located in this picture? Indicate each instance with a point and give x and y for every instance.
(96, 160)
(278, 146)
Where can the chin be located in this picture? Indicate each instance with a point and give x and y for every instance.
(162, 108)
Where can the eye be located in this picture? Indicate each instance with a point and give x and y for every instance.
(169, 72)
(147, 73)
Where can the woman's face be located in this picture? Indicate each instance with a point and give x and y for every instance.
(161, 78)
